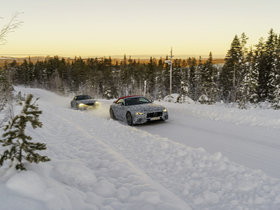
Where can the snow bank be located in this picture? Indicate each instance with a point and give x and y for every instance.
(253, 116)
(175, 98)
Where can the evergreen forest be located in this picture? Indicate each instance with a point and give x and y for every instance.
(248, 75)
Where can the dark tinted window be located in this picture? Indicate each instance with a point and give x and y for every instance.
(82, 97)
(136, 101)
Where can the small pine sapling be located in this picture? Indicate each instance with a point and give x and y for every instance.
(19, 144)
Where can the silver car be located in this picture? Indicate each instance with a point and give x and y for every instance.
(137, 110)
(83, 102)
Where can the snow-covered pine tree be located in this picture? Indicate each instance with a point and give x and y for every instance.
(276, 79)
(5, 89)
(166, 78)
(150, 76)
(160, 79)
(19, 144)
(265, 60)
(183, 93)
(248, 88)
(184, 89)
(230, 77)
(191, 78)
(247, 91)
(6, 95)
(208, 84)
(197, 79)
(271, 45)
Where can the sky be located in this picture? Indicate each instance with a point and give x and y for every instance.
(91, 28)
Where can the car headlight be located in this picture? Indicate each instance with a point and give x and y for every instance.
(164, 110)
(139, 113)
(81, 105)
(96, 103)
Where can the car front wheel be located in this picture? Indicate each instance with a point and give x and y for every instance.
(129, 119)
(112, 115)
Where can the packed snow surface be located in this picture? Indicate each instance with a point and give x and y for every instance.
(204, 157)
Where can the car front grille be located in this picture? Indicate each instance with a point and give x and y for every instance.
(154, 114)
(90, 104)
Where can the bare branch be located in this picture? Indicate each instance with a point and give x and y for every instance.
(9, 28)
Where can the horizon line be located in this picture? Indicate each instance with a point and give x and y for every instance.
(135, 56)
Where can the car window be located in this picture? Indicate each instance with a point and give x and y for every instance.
(121, 101)
(136, 101)
(82, 97)
(144, 100)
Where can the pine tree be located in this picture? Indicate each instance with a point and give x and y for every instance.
(166, 78)
(19, 144)
(176, 76)
(271, 44)
(197, 79)
(231, 74)
(6, 96)
(150, 77)
(5, 89)
(191, 78)
(208, 85)
(248, 88)
(276, 81)
(160, 79)
(265, 61)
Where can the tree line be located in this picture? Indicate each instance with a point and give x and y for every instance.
(247, 75)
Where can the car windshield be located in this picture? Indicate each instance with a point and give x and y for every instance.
(136, 101)
(83, 97)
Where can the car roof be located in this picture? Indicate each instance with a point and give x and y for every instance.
(128, 97)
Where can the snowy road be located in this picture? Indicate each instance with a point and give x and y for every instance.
(252, 143)
(252, 146)
(99, 163)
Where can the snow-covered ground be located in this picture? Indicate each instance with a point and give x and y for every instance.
(249, 137)
(204, 157)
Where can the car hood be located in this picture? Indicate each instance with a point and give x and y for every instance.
(145, 108)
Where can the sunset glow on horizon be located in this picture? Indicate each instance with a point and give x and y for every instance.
(91, 28)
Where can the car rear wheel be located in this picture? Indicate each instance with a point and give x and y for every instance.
(129, 119)
(112, 115)
(73, 105)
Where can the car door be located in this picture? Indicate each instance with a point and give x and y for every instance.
(118, 107)
(122, 110)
